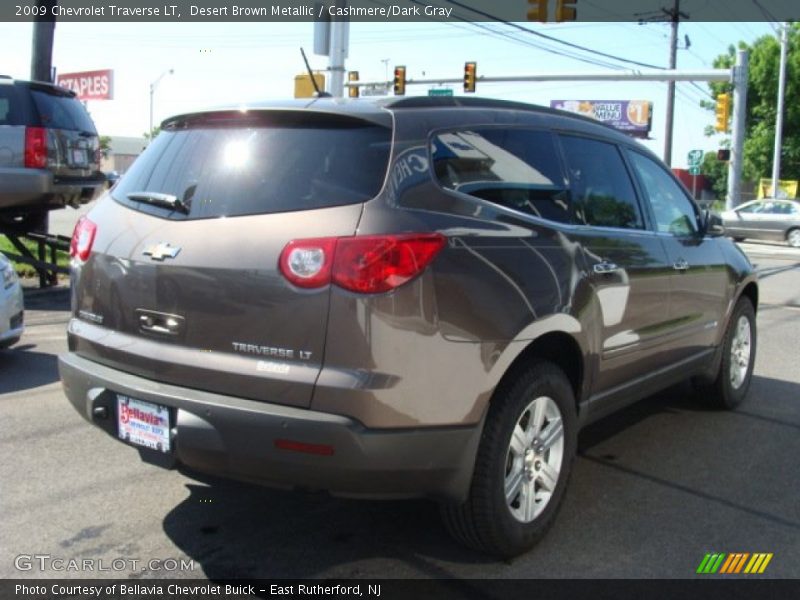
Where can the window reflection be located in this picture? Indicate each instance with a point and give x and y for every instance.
(517, 169)
(602, 189)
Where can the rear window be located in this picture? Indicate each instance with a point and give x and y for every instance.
(9, 110)
(298, 163)
(61, 112)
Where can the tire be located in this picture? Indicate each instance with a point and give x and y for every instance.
(730, 386)
(793, 237)
(738, 240)
(490, 522)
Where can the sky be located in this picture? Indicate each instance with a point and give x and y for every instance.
(227, 63)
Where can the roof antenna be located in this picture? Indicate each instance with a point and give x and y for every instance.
(320, 94)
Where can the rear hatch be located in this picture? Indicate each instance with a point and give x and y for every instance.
(183, 284)
(72, 141)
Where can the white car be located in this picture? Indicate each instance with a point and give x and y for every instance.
(11, 305)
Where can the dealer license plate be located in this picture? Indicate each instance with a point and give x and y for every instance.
(79, 157)
(143, 423)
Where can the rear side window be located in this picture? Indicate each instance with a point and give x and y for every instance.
(61, 112)
(602, 189)
(515, 168)
(221, 169)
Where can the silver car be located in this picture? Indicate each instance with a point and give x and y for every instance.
(767, 219)
(49, 152)
(11, 305)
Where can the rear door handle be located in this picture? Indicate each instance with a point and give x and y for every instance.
(605, 267)
(680, 265)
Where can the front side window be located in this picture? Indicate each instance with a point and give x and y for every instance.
(602, 189)
(674, 212)
(515, 168)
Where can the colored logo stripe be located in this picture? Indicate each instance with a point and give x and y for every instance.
(734, 563)
(710, 563)
(758, 563)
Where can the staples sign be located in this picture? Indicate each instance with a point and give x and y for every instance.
(89, 85)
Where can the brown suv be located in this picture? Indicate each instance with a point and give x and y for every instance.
(402, 298)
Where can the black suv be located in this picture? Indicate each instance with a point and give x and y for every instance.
(49, 152)
(402, 298)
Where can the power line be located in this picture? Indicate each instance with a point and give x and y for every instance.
(554, 39)
(517, 40)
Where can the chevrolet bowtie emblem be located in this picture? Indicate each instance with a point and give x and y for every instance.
(161, 251)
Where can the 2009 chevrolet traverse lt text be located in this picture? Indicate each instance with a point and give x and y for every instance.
(398, 298)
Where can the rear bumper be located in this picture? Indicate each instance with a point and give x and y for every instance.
(37, 188)
(235, 437)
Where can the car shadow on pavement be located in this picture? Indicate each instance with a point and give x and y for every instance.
(682, 397)
(23, 368)
(235, 530)
(55, 298)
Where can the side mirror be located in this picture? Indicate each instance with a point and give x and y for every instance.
(712, 224)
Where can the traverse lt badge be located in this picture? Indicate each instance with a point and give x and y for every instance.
(161, 251)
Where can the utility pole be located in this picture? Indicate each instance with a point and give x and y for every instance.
(42, 42)
(737, 132)
(776, 157)
(338, 52)
(675, 16)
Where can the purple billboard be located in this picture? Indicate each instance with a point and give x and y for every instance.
(633, 117)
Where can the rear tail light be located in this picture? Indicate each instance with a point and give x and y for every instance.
(307, 263)
(35, 147)
(82, 239)
(368, 264)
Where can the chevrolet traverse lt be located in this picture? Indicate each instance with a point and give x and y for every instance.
(402, 298)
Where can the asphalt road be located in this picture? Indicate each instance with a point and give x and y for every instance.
(654, 487)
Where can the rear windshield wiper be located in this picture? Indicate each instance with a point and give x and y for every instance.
(159, 199)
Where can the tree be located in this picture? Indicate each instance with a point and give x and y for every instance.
(762, 94)
(151, 135)
(716, 172)
(105, 145)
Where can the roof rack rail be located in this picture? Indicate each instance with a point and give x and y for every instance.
(473, 102)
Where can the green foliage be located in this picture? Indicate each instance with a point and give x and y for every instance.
(105, 145)
(152, 134)
(762, 94)
(716, 171)
(23, 269)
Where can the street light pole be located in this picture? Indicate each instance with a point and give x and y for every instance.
(153, 86)
(776, 160)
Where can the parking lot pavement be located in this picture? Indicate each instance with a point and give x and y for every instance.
(62, 221)
(654, 487)
(759, 249)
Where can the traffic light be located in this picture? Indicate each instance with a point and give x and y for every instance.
(353, 90)
(723, 154)
(723, 111)
(470, 73)
(565, 10)
(399, 81)
(537, 11)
